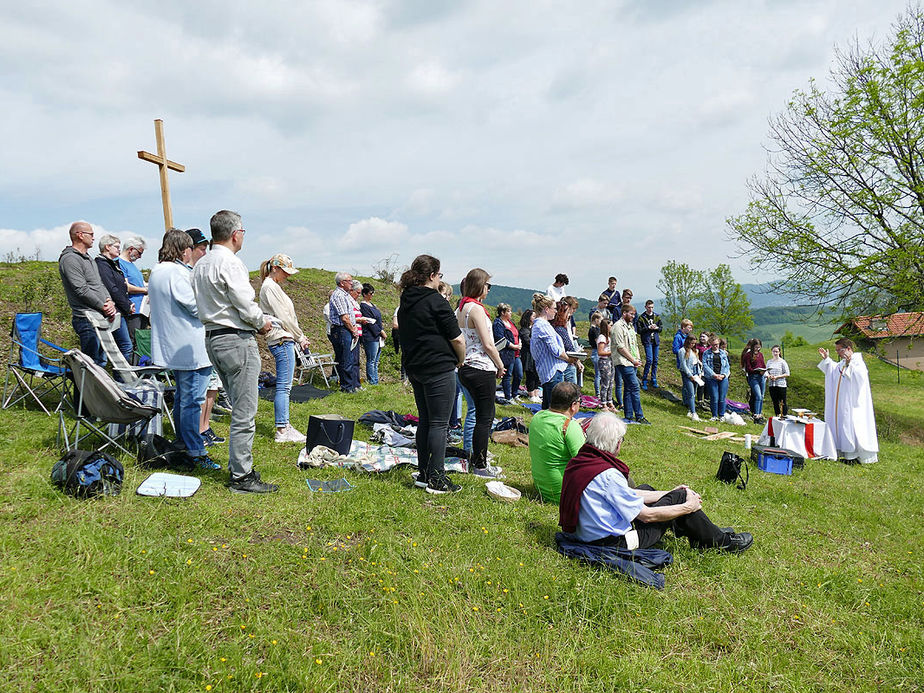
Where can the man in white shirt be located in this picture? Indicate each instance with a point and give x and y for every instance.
(226, 306)
(556, 290)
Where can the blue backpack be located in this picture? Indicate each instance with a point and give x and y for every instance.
(86, 474)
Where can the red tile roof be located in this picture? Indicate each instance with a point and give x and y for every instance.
(895, 325)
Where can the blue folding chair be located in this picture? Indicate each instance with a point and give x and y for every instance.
(31, 372)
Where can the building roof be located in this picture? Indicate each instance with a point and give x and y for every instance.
(881, 326)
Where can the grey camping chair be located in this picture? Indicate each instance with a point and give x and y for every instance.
(101, 400)
(136, 379)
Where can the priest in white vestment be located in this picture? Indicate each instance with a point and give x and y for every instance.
(849, 404)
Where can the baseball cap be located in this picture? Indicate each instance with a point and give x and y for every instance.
(198, 238)
(283, 262)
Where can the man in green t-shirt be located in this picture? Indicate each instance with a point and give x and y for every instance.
(554, 438)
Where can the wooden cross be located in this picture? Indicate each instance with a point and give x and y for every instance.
(163, 163)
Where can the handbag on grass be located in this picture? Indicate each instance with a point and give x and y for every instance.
(330, 430)
(730, 470)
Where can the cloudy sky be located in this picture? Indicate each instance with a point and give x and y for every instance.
(526, 137)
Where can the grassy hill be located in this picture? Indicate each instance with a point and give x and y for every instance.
(387, 588)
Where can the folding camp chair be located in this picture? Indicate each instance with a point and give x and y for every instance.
(143, 348)
(137, 379)
(100, 399)
(33, 374)
(308, 363)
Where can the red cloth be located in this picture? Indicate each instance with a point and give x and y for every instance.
(810, 440)
(468, 299)
(513, 330)
(581, 470)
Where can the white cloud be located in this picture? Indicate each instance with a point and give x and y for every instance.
(586, 192)
(373, 233)
(432, 79)
(46, 244)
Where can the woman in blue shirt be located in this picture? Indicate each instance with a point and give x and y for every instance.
(716, 371)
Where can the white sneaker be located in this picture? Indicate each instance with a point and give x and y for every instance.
(289, 435)
(690, 415)
(536, 400)
(695, 417)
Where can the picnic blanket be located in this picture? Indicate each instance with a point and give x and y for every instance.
(638, 565)
(369, 457)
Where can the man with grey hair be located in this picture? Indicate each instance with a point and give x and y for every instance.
(84, 289)
(600, 505)
(133, 248)
(225, 301)
(343, 330)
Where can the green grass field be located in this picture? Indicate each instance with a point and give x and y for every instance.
(386, 588)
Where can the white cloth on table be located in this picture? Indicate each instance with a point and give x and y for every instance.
(849, 409)
(809, 440)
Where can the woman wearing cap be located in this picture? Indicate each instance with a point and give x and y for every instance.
(281, 339)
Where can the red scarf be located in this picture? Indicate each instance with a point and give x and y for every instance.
(468, 299)
(581, 470)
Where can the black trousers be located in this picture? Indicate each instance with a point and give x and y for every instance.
(481, 385)
(696, 527)
(434, 397)
(778, 395)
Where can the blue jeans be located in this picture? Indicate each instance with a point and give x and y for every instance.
(570, 374)
(595, 358)
(372, 350)
(284, 353)
(89, 342)
(632, 402)
(689, 393)
(122, 340)
(718, 390)
(510, 383)
(468, 426)
(617, 387)
(756, 400)
(187, 406)
(557, 377)
(651, 362)
(347, 369)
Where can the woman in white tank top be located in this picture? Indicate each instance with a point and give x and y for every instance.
(482, 365)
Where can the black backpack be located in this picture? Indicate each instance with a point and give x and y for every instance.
(156, 452)
(84, 474)
(730, 470)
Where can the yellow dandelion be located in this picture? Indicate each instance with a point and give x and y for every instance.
(208, 687)
(251, 635)
(474, 608)
(190, 541)
(273, 641)
(151, 572)
(506, 590)
(323, 558)
(188, 561)
(243, 627)
(224, 659)
(545, 596)
(224, 546)
(317, 661)
(259, 674)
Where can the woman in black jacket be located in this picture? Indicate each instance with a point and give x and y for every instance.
(530, 375)
(432, 347)
(114, 280)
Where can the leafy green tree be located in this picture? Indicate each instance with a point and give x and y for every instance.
(839, 212)
(682, 289)
(723, 307)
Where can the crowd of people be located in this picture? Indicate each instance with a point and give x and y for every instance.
(204, 316)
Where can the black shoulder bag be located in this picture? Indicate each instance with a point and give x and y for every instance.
(730, 470)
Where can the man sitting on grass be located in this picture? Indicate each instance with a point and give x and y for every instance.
(554, 438)
(599, 504)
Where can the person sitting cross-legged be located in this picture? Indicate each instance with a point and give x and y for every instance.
(600, 505)
(554, 438)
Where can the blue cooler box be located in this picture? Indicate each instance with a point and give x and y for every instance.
(774, 460)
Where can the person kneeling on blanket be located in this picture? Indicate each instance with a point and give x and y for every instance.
(600, 506)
